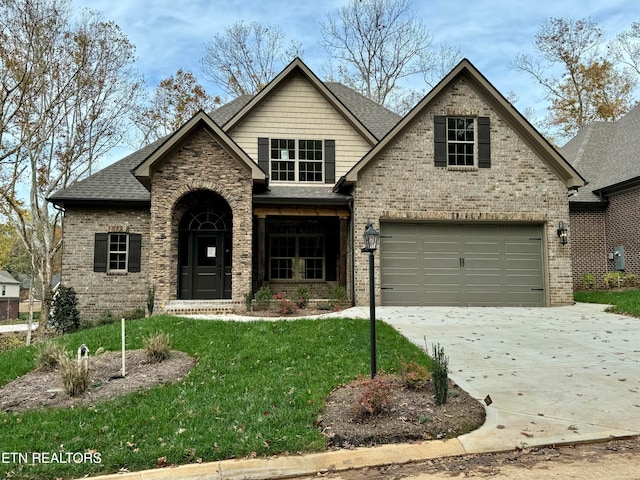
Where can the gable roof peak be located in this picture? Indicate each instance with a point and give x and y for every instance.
(498, 103)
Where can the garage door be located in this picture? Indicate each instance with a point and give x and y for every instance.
(466, 265)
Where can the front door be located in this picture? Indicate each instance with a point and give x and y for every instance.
(207, 266)
(202, 270)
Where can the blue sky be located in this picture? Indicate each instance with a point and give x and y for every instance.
(170, 34)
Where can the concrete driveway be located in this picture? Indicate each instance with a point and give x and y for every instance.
(555, 375)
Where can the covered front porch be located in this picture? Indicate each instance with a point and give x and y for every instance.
(301, 239)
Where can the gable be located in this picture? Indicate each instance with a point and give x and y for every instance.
(200, 122)
(296, 109)
(482, 99)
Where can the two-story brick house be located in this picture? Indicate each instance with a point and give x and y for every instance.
(277, 188)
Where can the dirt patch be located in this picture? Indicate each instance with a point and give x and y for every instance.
(411, 415)
(40, 389)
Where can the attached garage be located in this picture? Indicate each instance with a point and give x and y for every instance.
(462, 264)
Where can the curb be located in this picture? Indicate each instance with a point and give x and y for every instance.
(295, 466)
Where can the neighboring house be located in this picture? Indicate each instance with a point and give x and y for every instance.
(277, 189)
(9, 296)
(605, 215)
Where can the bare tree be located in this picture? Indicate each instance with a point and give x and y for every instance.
(377, 43)
(580, 82)
(244, 58)
(626, 48)
(175, 100)
(67, 87)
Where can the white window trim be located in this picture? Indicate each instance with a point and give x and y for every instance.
(296, 163)
(115, 252)
(475, 144)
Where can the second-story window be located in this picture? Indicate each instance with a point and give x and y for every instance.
(296, 160)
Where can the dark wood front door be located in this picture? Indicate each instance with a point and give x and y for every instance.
(202, 266)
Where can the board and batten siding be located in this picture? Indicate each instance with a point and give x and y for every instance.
(296, 110)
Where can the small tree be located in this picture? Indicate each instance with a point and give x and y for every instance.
(64, 315)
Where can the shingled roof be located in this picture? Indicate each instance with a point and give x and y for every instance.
(116, 184)
(606, 154)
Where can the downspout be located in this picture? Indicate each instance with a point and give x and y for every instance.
(353, 258)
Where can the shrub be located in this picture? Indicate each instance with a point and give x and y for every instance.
(64, 316)
(75, 376)
(263, 298)
(49, 355)
(612, 279)
(302, 297)
(10, 342)
(338, 296)
(106, 318)
(339, 293)
(285, 306)
(374, 397)
(136, 314)
(439, 372)
(157, 347)
(415, 375)
(630, 280)
(588, 281)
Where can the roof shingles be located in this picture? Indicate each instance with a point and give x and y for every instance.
(116, 183)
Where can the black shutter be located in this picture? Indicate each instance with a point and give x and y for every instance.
(329, 161)
(135, 252)
(440, 140)
(100, 252)
(263, 154)
(484, 142)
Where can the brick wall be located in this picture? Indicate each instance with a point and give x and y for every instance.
(623, 218)
(99, 292)
(200, 164)
(588, 245)
(403, 183)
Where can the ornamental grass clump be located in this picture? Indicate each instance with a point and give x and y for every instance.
(157, 347)
(74, 374)
(48, 356)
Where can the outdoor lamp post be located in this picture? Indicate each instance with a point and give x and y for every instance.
(371, 239)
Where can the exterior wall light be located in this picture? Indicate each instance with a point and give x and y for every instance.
(562, 233)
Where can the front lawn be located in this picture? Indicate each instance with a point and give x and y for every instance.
(627, 302)
(257, 389)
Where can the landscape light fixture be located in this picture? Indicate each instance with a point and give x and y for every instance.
(371, 240)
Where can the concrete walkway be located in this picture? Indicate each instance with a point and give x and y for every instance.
(555, 375)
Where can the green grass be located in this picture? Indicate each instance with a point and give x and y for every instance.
(258, 388)
(627, 302)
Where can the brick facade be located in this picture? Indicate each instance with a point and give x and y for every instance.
(622, 228)
(597, 232)
(588, 245)
(100, 292)
(199, 165)
(518, 187)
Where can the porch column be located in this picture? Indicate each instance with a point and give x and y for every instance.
(344, 240)
(261, 250)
